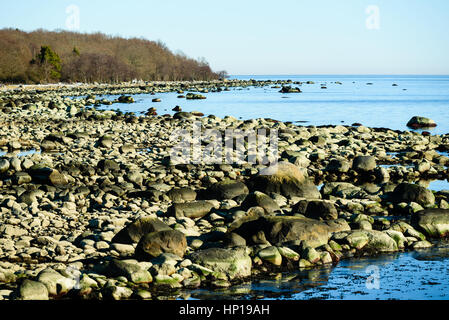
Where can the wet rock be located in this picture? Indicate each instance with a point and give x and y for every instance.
(421, 122)
(288, 253)
(132, 271)
(433, 222)
(289, 89)
(183, 115)
(126, 99)
(235, 262)
(193, 96)
(371, 240)
(271, 255)
(423, 244)
(117, 292)
(311, 255)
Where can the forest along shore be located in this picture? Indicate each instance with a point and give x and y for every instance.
(97, 210)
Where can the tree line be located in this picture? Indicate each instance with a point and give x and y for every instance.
(45, 57)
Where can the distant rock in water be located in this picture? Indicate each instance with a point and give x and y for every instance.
(192, 96)
(126, 99)
(289, 89)
(421, 122)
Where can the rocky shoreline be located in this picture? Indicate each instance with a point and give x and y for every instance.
(98, 211)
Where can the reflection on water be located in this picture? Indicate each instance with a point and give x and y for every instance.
(414, 275)
(283, 287)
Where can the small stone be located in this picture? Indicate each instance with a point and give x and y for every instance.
(311, 255)
(271, 255)
(289, 253)
(423, 244)
(303, 264)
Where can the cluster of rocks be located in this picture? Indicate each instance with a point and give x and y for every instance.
(99, 211)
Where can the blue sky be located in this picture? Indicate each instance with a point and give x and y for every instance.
(267, 37)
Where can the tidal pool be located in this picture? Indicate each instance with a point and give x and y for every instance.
(417, 275)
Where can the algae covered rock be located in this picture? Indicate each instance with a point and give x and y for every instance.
(433, 222)
(235, 262)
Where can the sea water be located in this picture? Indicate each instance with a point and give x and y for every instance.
(374, 101)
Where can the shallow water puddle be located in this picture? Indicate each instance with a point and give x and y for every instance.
(435, 185)
(386, 166)
(443, 153)
(20, 153)
(27, 153)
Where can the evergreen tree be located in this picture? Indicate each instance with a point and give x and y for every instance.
(49, 62)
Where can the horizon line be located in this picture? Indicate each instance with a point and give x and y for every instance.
(344, 74)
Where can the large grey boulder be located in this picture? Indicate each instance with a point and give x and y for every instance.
(182, 194)
(281, 229)
(227, 189)
(286, 179)
(364, 163)
(234, 262)
(421, 122)
(371, 240)
(133, 232)
(316, 209)
(156, 243)
(259, 199)
(192, 210)
(433, 222)
(132, 271)
(32, 290)
(407, 192)
(55, 282)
